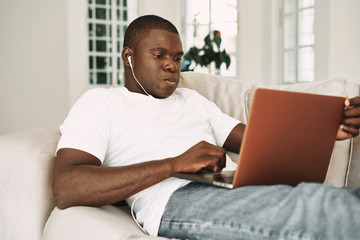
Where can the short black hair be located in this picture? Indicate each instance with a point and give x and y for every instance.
(140, 28)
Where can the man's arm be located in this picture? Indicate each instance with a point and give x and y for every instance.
(79, 178)
(233, 141)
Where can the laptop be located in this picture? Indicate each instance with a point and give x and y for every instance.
(289, 139)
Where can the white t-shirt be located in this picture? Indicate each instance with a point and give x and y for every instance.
(120, 128)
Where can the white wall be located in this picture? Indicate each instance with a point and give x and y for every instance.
(258, 41)
(171, 10)
(337, 39)
(43, 44)
(344, 39)
(250, 42)
(33, 58)
(77, 49)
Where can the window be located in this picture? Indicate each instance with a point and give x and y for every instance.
(107, 22)
(205, 16)
(298, 40)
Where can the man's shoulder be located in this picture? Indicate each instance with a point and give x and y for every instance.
(100, 98)
(188, 93)
(104, 93)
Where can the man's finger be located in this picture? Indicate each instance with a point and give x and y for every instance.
(352, 112)
(352, 130)
(354, 101)
(355, 122)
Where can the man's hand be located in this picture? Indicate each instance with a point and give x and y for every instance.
(201, 156)
(351, 121)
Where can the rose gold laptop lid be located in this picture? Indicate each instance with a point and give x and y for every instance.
(289, 138)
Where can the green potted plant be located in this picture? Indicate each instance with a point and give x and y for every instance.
(210, 52)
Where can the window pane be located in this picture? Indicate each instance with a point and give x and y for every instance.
(118, 14)
(120, 74)
(289, 67)
(118, 34)
(120, 78)
(119, 63)
(226, 29)
(101, 78)
(121, 15)
(101, 46)
(91, 62)
(289, 31)
(197, 12)
(90, 12)
(219, 7)
(199, 33)
(100, 13)
(306, 64)
(91, 78)
(289, 6)
(125, 17)
(306, 27)
(305, 3)
(118, 46)
(228, 35)
(109, 77)
(100, 30)
(102, 2)
(91, 32)
(91, 45)
(102, 62)
(119, 38)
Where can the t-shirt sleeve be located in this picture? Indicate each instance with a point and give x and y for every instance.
(87, 126)
(221, 123)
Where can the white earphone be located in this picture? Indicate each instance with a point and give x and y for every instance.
(129, 59)
(132, 71)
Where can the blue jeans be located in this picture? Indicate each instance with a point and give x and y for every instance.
(307, 211)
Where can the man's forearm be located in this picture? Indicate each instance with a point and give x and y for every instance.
(97, 186)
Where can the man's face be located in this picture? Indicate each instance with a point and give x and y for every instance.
(157, 62)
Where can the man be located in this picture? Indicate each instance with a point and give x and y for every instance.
(123, 143)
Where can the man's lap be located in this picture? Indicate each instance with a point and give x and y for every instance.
(307, 211)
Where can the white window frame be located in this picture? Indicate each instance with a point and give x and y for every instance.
(296, 47)
(114, 35)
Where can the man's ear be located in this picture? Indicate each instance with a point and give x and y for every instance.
(125, 54)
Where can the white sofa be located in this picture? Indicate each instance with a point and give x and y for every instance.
(27, 207)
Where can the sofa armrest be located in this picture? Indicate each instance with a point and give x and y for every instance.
(93, 223)
(25, 182)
